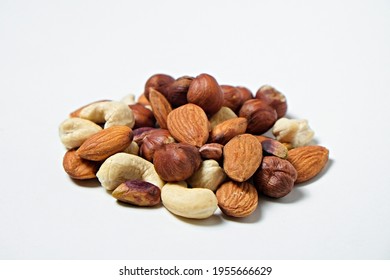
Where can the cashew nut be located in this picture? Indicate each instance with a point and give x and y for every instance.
(109, 112)
(121, 167)
(129, 99)
(74, 131)
(197, 203)
(224, 114)
(292, 131)
(133, 149)
(210, 175)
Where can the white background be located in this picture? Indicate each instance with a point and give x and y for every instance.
(331, 59)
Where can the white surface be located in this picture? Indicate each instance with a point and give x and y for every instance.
(330, 58)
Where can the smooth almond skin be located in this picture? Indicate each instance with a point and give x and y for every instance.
(205, 92)
(226, 130)
(138, 192)
(242, 156)
(105, 143)
(237, 199)
(160, 107)
(78, 168)
(197, 203)
(189, 124)
(308, 161)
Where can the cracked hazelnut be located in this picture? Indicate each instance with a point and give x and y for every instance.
(275, 177)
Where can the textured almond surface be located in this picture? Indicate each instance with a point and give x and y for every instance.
(189, 124)
(105, 143)
(308, 161)
(237, 199)
(79, 168)
(226, 130)
(160, 106)
(242, 157)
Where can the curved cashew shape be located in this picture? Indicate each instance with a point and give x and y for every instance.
(109, 112)
(129, 99)
(210, 175)
(292, 131)
(74, 131)
(195, 203)
(133, 149)
(121, 167)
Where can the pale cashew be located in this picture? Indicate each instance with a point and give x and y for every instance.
(121, 167)
(133, 149)
(197, 203)
(224, 114)
(129, 99)
(210, 175)
(292, 131)
(109, 112)
(74, 131)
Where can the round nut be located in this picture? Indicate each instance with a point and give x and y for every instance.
(237, 199)
(275, 178)
(154, 140)
(143, 117)
(232, 97)
(246, 94)
(211, 151)
(205, 92)
(138, 192)
(261, 117)
(159, 82)
(177, 91)
(176, 161)
(274, 98)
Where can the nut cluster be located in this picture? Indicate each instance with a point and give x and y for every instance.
(193, 145)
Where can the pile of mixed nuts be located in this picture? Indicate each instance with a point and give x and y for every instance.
(193, 145)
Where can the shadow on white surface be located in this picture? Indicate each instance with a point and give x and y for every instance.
(90, 183)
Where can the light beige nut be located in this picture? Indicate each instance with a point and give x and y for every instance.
(210, 175)
(74, 131)
(293, 131)
(122, 167)
(133, 149)
(78, 168)
(129, 99)
(237, 199)
(225, 113)
(110, 113)
(138, 192)
(196, 203)
(106, 142)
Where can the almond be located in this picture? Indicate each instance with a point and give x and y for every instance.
(189, 124)
(242, 156)
(106, 142)
(226, 130)
(79, 168)
(160, 107)
(308, 161)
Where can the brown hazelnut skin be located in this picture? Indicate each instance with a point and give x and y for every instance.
(275, 177)
(261, 117)
(153, 141)
(143, 116)
(159, 82)
(205, 92)
(140, 133)
(232, 97)
(211, 151)
(177, 91)
(176, 161)
(274, 98)
(246, 94)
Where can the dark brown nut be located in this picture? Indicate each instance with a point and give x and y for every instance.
(177, 91)
(274, 147)
(159, 82)
(237, 199)
(153, 141)
(205, 92)
(176, 161)
(138, 192)
(140, 133)
(143, 117)
(211, 151)
(261, 117)
(226, 130)
(246, 94)
(274, 98)
(79, 168)
(232, 97)
(275, 177)
(160, 107)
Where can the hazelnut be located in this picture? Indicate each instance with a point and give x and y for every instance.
(275, 177)
(140, 133)
(176, 161)
(153, 141)
(143, 116)
(211, 151)
(261, 117)
(205, 92)
(177, 91)
(138, 192)
(246, 94)
(274, 98)
(232, 97)
(159, 82)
